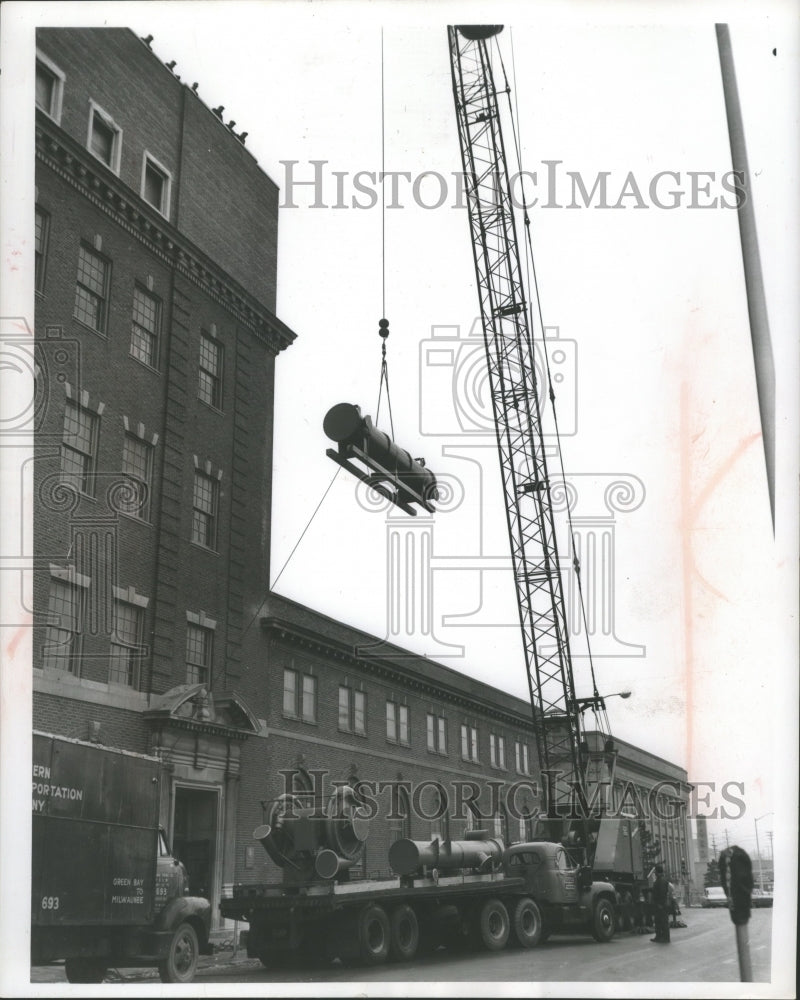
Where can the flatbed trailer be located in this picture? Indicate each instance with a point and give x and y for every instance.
(529, 893)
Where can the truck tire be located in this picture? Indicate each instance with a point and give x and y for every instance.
(181, 962)
(374, 934)
(405, 933)
(84, 970)
(603, 920)
(493, 925)
(527, 923)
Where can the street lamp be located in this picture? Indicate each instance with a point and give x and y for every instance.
(597, 701)
(758, 851)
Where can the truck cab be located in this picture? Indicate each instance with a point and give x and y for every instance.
(566, 893)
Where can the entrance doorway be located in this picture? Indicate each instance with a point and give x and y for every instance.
(194, 838)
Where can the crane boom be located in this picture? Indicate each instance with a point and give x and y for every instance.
(517, 402)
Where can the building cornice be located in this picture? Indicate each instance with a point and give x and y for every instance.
(99, 185)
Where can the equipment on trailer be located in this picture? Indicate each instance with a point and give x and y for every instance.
(372, 456)
(472, 892)
(307, 842)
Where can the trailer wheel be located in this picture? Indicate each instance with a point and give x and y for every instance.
(405, 933)
(527, 923)
(603, 920)
(84, 970)
(181, 962)
(374, 934)
(493, 925)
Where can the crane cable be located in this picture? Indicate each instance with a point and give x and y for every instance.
(530, 270)
(383, 324)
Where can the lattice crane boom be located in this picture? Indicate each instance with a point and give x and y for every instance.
(517, 401)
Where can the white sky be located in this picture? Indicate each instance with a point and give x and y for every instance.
(654, 300)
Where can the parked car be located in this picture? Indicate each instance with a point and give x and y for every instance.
(714, 896)
(760, 898)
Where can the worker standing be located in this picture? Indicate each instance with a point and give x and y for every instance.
(661, 907)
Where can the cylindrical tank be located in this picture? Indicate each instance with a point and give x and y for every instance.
(345, 425)
(407, 857)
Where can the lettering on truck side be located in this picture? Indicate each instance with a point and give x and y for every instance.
(135, 884)
(45, 790)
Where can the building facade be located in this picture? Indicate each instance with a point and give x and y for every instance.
(156, 342)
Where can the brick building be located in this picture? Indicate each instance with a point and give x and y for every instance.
(156, 341)
(156, 347)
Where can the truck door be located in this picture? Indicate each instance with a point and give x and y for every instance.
(170, 874)
(567, 878)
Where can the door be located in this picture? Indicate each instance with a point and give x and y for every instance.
(194, 839)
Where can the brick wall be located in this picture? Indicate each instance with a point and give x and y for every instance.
(221, 199)
(155, 556)
(70, 717)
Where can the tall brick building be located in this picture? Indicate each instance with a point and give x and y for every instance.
(156, 347)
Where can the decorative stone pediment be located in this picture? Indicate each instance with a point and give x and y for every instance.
(193, 707)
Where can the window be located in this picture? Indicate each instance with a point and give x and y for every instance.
(469, 743)
(289, 692)
(145, 327)
(497, 750)
(91, 292)
(204, 510)
(199, 654)
(41, 234)
(299, 695)
(62, 645)
(521, 754)
(352, 711)
(562, 862)
(155, 184)
(210, 378)
(49, 87)
(498, 825)
(308, 704)
(126, 642)
(79, 447)
(137, 463)
(105, 137)
(396, 722)
(437, 733)
(526, 827)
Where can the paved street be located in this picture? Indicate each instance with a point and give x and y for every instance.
(705, 951)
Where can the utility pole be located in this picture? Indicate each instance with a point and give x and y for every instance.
(727, 842)
(714, 845)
